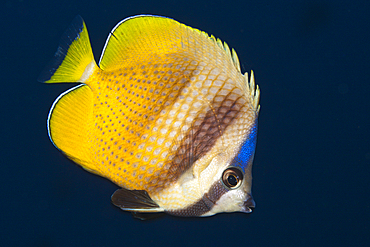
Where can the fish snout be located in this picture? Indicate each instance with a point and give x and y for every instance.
(249, 204)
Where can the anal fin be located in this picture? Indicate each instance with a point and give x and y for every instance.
(135, 201)
(69, 125)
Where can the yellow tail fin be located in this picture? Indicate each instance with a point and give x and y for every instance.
(74, 59)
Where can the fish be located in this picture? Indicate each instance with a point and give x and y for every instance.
(166, 115)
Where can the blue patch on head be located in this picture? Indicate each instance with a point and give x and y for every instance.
(247, 150)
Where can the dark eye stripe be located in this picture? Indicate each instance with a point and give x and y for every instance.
(205, 204)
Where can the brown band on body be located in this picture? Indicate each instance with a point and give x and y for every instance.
(200, 138)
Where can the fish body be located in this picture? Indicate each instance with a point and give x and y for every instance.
(167, 116)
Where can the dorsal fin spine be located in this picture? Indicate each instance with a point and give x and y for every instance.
(254, 91)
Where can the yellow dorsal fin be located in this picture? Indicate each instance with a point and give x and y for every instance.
(137, 36)
(143, 36)
(74, 60)
(69, 124)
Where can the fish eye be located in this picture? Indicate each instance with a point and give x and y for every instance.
(232, 177)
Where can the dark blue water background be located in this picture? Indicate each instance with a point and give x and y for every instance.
(311, 170)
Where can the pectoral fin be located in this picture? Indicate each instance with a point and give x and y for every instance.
(135, 200)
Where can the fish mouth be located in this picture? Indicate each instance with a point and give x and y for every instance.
(248, 205)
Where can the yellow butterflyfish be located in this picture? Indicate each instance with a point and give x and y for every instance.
(166, 115)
